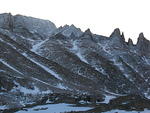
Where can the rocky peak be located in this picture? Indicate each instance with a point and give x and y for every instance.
(87, 32)
(34, 25)
(122, 36)
(130, 42)
(116, 32)
(117, 39)
(6, 21)
(67, 30)
(117, 35)
(18, 22)
(143, 45)
(88, 35)
(141, 38)
(141, 35)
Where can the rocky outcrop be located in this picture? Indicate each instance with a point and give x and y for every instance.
(33, 25)
(6, 21)
(68, 30)
(143, 45)
(130, 42)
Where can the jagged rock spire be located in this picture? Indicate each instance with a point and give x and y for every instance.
(88, 32)
(116, 32)
(130, 42)
(11, 21)
(67, 30)
(141, 36)
(122, 36)
(143, 45)
(6, 21)
(141, 39)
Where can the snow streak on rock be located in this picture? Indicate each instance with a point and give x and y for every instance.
(36, 46)
(11, 67)
(75, 49)
(44, 67)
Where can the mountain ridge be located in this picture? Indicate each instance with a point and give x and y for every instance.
(38, 59)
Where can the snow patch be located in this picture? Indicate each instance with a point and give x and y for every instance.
(29, 91)
(121, 68)
(84, 102)
(61, 86)
(1, 40)
(55, 108)
(76, 50)
(2, 70)
(146, 60)
(36, 46)
(49, 102)
(100, 69)
(108, 98)
(105, 48)
(147, 94)
(25, 90)
(3, 107)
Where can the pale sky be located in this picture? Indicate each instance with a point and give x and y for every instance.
(101, 16)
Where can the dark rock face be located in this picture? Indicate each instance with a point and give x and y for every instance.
(37, 59)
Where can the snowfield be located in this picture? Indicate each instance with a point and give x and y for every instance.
(54, 108)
